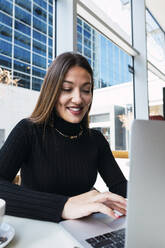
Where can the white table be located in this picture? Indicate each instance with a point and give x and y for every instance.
(38, 234)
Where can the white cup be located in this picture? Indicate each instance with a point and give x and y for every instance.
(2, 209)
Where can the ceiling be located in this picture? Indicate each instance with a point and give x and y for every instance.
(157, 9)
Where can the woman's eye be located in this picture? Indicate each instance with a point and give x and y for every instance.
(66, 89)
(87, 91)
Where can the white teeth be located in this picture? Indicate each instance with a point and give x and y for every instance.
(75, 109)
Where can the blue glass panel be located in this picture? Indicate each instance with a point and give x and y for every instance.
(41, 3)
(51, 1)
(50, 31)
(103, 69)
(38, 72)
(39, 25)
(49, 62)
(87, 52)
(50, 42)
(24, 80)
(38, 47)
(21, 40)
(112, 62)
(20, 66)
(79, 29)
(5, 47)
(22, 54)
(5, 32)
(39, 12)
(22, 15)
(87, 42)
(36, 83)
(79, 38)
(5, 61)
(89, 61)
(6, 7)
(50, 9)
(79, 48)
(87, 34)
(22, 28)
(5, 19)
(39, 36)
(39, 61)
(24, 4)
(50, 19)
(87, 27)
(79, 21)
(50, 52)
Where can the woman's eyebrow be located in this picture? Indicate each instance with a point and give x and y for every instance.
(70, 82)
(66, 81)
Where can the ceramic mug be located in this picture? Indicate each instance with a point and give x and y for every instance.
(2, 209)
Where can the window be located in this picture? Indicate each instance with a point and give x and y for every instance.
(156, 87)
(5, 48)
(5, 32)
(20, 66)
(22, 15)
(50, 19)
(39, 25)
(5, 19)
(9, 9)
(50, 42)
(110, 63)
(39, 61)
(50, 31)
(21, 40)
(24, 80)
(41, 3)
(39, 12)
(24, 4)
(39, 48)
(22, 28)
(38, 72)
(112, 83)
(36, 83)
(155, 56)
(39, 36)
(155, 42)
(22, 54)
(50, 52)
(5, 61)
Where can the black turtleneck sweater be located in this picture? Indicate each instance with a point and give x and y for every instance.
(53, 168)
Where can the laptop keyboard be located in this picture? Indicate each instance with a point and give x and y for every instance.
(113, 239)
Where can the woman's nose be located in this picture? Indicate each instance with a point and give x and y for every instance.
(76, 97)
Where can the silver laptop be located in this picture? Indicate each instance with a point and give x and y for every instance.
(145, 220)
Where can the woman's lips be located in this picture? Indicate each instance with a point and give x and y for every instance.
(75, 111)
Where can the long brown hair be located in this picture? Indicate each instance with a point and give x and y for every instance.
(52, 84)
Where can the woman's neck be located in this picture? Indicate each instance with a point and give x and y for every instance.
(65, 127)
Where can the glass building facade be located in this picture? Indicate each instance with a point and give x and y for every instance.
(110, 63)
(27, 39)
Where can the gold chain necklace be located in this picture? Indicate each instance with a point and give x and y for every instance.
(72, 136)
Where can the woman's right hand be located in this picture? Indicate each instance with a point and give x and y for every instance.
(93, 202)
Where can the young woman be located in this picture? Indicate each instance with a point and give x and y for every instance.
(59, 156)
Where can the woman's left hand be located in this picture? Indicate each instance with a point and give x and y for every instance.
(92, 202)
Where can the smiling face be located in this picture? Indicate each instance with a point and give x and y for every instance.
(76, 95)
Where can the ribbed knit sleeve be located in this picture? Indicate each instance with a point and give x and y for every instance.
(109, 169)
(21, 201)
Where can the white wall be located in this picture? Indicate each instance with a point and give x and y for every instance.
(15, 103)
